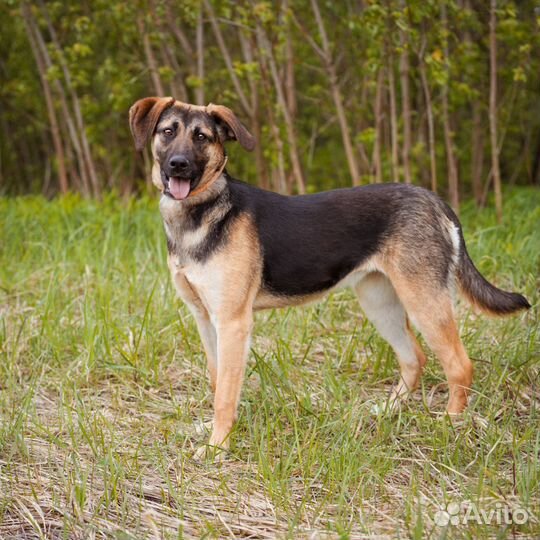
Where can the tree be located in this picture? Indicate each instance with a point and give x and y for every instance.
(336, 93)
(493, 108)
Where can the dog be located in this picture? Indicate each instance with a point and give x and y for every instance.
(234, 248)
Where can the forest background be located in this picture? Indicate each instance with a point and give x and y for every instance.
(443, 94)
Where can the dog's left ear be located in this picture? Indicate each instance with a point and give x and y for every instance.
(144, 116)
(232, 127)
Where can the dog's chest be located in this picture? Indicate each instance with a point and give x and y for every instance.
(185, 244)
(195, 233)
(185, 240)
(198, 285)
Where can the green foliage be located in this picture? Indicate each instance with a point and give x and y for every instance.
(101, 43)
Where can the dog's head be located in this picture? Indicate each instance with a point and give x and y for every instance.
(187, 141)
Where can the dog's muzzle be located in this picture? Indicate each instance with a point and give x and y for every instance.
(175, 187)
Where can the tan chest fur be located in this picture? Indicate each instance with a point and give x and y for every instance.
(228, 280)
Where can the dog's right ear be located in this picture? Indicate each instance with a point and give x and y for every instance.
(144, 116)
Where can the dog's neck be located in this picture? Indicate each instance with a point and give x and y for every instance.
(187, 223)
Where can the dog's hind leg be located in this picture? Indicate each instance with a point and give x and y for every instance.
(383, 308)
(431, 311)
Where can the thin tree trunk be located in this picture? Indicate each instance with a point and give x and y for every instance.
(477, 136)
(330, 67)
(199, 92)
(178, 88)
(150, 58)
(364, 161)
(262, 172)
(66, 121)
(290, 80)
(266, 48)
(453, 181)
(493, 109)
(250, 107)
(227, 58)
(404, 69)
(55, 131)
(178, 33)
(278, 174)
(430, 122)
(188, 53)
(81, 128)
(477, 157)
(377, 159)
(393, 121)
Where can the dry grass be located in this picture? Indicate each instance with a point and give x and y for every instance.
(103, 390)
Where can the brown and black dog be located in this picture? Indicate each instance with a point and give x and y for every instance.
(234, 248)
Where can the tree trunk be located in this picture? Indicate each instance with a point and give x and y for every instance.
(55, 131)
(150, 58)
(256, 130)
(188, 53)
(430, 123)
(289, 79)
(66, 124)
(493, 109)
(178, 33)
(404, 69)
(377, 160)
(278, 175)
(84, 148)
(199, 92)
(266, 49)
(177, 86)
(453, 181)
(361, 124)
(250, 108)
(477, 157)
(336, 95)
(393, 121)
(227, 58)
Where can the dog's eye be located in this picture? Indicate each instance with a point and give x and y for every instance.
(200, 137)
(168, 132)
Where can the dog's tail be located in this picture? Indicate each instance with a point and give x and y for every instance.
(481, 293)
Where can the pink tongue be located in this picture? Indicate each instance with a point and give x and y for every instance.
(179, 188)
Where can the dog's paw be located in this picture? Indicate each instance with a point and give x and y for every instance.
(207, 452)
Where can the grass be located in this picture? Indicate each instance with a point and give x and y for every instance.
(103, 384)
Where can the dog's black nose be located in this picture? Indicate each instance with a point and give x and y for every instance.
(178, 164)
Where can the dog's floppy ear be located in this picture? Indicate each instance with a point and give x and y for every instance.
(233, 128)
(143, 118)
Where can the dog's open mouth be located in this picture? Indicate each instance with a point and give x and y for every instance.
(179, 188)
(176, 187)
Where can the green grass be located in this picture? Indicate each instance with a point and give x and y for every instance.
(103, 383)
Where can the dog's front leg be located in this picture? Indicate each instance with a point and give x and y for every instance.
(233, 342)
(206, 329)
(208, 337)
